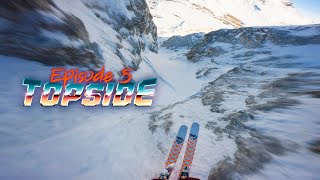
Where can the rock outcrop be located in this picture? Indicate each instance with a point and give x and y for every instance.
(85, 33)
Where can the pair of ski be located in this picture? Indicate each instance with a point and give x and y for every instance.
(175, 151)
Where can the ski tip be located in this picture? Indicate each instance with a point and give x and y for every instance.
(195, 128)
(183, 127)
(182, 131)
(195, 124)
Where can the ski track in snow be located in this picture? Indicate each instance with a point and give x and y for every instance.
(158, 75)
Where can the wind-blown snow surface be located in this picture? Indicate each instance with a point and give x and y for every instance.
(229, 94)
(298, 124)
(182, 17)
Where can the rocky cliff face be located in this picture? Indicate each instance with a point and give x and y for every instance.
(250, 38)
(85, 33)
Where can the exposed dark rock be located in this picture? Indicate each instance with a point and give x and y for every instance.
(212, 125)
(292, 83)
(177, 42)
(314, 93)
(153, 127)
(250, 157)
(278, 103)
(225, 170)
(277, 62)
(194, 54)
(241, 116)
(315, 146)
(22, 34)
(250, 54)
(248, 37)
(255, 151)
(250, 100)
(238, 77)
(204, 72)
(165, 119)
(212, 98)
(140, 25)
(161, 148)
(167, 126)
(251, 37)
(236, 123)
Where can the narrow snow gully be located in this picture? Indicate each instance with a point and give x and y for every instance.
(257, 86)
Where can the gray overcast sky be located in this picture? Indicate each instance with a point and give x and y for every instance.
(309, 8)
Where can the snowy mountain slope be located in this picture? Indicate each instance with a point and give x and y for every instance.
(87, 33)
(266, 73)
(237, 97)
(243, 86)
(190, 16)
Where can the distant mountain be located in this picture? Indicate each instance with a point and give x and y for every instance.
(189, 16)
